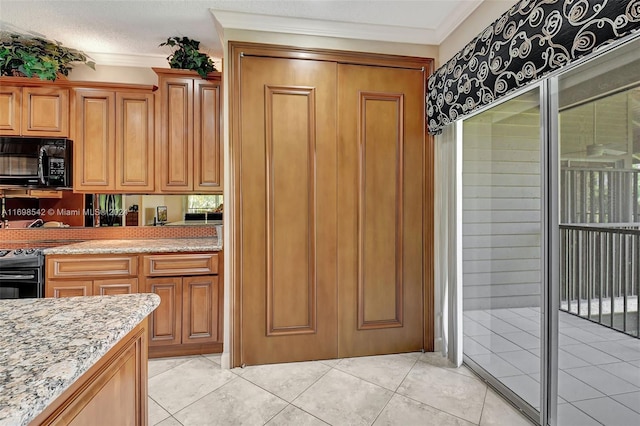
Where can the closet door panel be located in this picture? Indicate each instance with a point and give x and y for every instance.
(287, 205)
(380, 226)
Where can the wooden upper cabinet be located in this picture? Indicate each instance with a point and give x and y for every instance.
(189, 140)
(176, 135)
(45, 111)
(114, 149)
(207, 144)
(10, 110)
(34, 111)
(94, 147)
(134, 142)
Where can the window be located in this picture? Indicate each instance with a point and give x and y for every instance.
(204, 203)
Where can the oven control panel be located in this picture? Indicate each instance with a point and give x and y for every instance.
(20, 252)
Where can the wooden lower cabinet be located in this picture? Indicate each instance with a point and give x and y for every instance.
(109, 287)
(188, 320)
(89, 275)
(115, 286)
(166, 320)
(199, 309)
(112, 392)
(68, 288)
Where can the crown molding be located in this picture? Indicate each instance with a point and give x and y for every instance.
(322, 28)
(136, 60)
(129, 60)
(455, 19)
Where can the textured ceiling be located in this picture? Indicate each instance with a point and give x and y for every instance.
(120, 32)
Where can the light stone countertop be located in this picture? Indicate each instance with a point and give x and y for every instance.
(166, 245)
(47, 344)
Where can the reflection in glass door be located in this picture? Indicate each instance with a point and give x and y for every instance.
(502, 252)
(599, 141)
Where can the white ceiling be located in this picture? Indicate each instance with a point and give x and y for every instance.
(129, 32)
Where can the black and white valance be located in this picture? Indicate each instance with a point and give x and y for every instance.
(529, 41)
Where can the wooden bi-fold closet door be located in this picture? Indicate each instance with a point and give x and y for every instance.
(380, 204)
(287, 202)
(329, 189)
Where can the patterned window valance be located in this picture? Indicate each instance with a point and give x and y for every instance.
(529, 41)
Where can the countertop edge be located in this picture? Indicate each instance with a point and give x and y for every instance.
(55, 379)
(181, 245)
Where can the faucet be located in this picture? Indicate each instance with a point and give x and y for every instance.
(4, 216)
(36, 223)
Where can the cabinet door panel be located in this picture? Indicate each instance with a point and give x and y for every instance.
(95, 141)
(45, 112)
(115, 286)
(176, 142)
(200, 310)
(207, 160)
(134, 141)
(68, 288)
(166, 320)
(10, 110)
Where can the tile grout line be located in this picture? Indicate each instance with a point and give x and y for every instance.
(439, 409)
(290, 403)
(416, 362)
(394, 392)
(583, 412)
(484, 403)
(203, 396)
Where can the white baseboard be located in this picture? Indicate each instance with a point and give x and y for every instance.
(437, 344)
(225, 361)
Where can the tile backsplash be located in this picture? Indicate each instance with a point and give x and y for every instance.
(51, 237)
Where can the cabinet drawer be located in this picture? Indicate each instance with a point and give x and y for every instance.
(68, 288)
(81, 267)
(115, 286)
(181, 264)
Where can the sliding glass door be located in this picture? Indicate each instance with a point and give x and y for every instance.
(599, 144)
(502, 246)
(551, 218)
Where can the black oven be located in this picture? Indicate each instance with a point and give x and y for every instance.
(35, 162)
(21, 274)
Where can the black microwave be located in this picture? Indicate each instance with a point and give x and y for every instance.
(35, 162)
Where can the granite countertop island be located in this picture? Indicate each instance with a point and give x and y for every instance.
(47, 344)
(166, 245)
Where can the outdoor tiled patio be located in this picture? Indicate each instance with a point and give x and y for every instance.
(599, 377)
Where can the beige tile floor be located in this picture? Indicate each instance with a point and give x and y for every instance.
(404, 389)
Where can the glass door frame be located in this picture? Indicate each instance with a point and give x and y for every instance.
(549, 262)
(550, 246)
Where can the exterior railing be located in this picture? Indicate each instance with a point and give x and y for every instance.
(600, 274)
(600, 195)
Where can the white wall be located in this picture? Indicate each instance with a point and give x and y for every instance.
(114, 74)
(481, 18)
